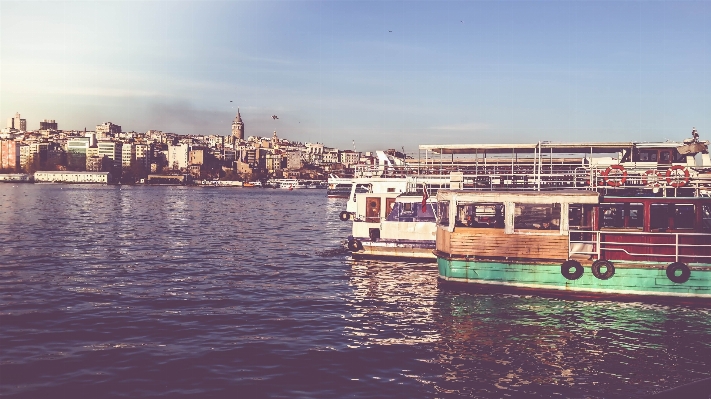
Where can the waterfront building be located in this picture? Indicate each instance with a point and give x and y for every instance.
(111, 150)
(237, 128)
(178, 156)
(76, 152)
(128, 154)
(10, 155)
(72, 177)
(273, 162)
(350, 158)
(37, 154)
(24, 155)
(293, 160)
(143, 153)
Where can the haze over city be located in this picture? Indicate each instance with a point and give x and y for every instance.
(382, 74)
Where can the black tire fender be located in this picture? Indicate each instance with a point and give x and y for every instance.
(598, 265)
(565, 269)
(344, 216)
(355, 245)
(676, 266)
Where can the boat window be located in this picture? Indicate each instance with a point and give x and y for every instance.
(665, 157)
(679, 158)
(648, 156)
(622, 215)
(481, 215)
(684, 216)
(706, 218)
(579, 216)
(443, 213)
(411, 212)
(537, 216)
(677, 216)
(659, 216)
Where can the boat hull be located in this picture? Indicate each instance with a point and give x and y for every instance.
(629, 279)
(423, 250)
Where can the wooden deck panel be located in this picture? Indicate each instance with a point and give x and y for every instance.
(494, 243)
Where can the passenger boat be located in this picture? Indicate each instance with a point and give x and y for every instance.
(576, 241)
(393, 225)
(668, 169)
(290, 184)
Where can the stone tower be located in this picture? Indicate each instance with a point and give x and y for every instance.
(237, 128)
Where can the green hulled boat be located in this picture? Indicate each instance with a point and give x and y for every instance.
(576, 241)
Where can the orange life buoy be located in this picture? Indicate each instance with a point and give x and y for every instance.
(609, 180)
(651, 178)
(674, 179)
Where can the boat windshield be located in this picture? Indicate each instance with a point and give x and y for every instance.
(411, 212)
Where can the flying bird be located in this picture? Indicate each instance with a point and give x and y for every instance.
(275, 117)
(230, 100)
(390, 31)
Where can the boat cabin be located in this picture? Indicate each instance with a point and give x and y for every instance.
(565, 224)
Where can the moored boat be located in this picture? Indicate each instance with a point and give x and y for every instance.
(576, 241)
(393, 225)
(668, 169)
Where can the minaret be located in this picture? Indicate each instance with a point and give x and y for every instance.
(237, 128)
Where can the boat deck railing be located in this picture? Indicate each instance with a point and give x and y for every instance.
(663, 246)
(529, 176)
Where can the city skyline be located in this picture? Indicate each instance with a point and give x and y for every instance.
(384, 75)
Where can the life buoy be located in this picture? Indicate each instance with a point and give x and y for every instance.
(597, 266)
(651, 178)
(344, 216)
(565, 269)
(678, 266)
(609, 180)
(674, 179)
(355, 245)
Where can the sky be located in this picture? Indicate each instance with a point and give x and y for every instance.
(380, 74)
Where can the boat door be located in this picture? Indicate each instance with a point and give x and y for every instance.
(372, 210)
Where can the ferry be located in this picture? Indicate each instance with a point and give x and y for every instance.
(393, 225)
(576, 241)
(290, 184)
(668, 169)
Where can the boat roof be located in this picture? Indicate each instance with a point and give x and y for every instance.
(529, 197)
(559, 148)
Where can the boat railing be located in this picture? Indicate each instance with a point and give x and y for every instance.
(556, 175)
(663, 246)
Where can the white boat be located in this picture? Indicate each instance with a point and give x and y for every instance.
(393, 225)
(291, 184)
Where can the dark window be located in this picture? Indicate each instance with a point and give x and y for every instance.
(443, 212)
(665, 157)
(684, 216)
(481, 215)
(706, 218)
(579, 216)
(659, 216)
(612, 215)
(537, 216)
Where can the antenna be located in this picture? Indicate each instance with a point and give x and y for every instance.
(354, 150)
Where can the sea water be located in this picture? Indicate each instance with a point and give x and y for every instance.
(115, 291)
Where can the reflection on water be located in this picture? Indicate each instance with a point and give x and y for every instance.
(495, 345)
(392, 303)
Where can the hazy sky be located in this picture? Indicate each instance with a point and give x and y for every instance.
(387, 74)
